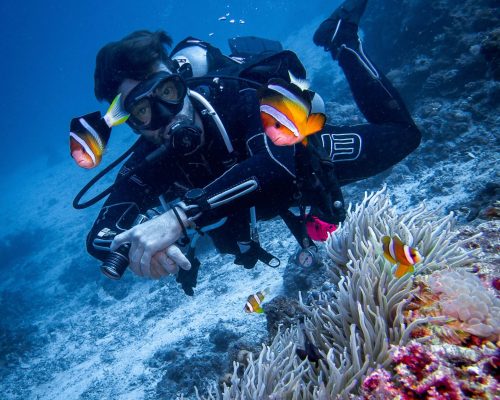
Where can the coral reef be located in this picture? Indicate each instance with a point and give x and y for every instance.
(431, 372)
(454, 44)
(485, 205)
(298, 279)
(281, 312)
(354, 324)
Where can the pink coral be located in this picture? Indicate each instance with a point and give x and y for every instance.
(414, 359)
(422, 373)
(378, 386)
(439, 387)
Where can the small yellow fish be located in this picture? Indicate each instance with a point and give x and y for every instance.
(254, 302)
(396, 252)
(285, 111)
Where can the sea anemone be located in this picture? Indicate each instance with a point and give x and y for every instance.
(375, 217)
(354, 325)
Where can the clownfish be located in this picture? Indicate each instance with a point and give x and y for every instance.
(396, 252)
(285, 111)
(254, 302)
(89, 134)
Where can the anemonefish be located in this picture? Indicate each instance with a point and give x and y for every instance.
(254, 302)
(89, 134)
(396, 252)
(285, 111)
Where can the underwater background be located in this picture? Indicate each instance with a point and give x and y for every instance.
(67, 332)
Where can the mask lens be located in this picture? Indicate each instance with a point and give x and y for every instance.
(141, 111)
(171, 90)
(153, 102)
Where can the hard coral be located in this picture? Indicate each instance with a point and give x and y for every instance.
(378, 386)
(415, 359)
(421, 372)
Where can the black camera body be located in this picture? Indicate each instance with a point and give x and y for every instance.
(117, 261)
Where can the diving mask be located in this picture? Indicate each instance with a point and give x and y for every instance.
(153, 103)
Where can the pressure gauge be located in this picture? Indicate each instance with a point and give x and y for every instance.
(307, 258)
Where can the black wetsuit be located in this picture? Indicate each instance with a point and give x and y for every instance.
(268, 171)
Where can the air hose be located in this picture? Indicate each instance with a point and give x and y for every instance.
(149, 159)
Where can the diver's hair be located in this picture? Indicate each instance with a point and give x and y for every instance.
(132, 57)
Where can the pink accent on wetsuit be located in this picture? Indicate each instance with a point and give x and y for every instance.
(317, 229)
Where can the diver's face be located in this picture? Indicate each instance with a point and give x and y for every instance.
(157, 135)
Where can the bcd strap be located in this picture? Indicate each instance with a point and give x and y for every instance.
(249, 258)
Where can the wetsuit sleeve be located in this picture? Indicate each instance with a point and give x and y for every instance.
(135, 195)
(365, 150)
(265, 180)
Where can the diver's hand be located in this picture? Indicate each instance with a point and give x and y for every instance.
(149, 238)
(168, 262)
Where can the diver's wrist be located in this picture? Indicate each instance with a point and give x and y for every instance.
(182, 218)
(194, 203)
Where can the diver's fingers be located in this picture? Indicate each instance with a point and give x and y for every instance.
(172, 266)
(135, 255)
(160, 259)
(168, 264)
(156, 269)
(120, 239)
(145, 263)
(178, 257)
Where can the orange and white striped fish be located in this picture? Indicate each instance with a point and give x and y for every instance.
(396, 252)
(254, 302)
(89, 134)
(285, 111)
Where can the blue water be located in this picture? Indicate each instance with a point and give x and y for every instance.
(48, 52)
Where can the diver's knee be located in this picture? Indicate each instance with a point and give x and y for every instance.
(412, 138)
(416, 137)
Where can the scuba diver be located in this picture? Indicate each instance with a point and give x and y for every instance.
(218, 148)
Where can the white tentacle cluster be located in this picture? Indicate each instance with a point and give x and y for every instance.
(354, 325)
